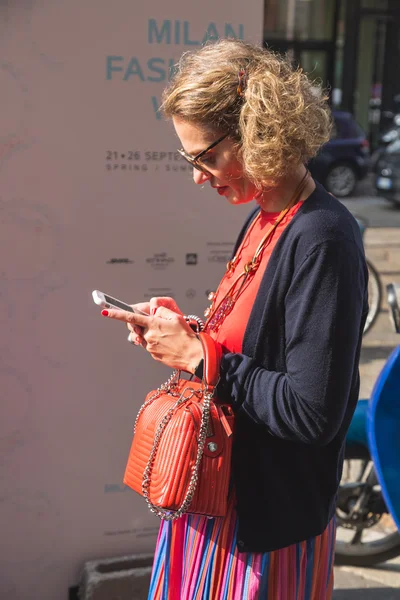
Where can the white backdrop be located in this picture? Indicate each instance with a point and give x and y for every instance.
(93, 195)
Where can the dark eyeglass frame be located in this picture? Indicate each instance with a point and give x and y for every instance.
(194, 160)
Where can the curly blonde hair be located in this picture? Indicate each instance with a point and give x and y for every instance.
(281, 119)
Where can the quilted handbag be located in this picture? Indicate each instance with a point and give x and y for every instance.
(180, 458)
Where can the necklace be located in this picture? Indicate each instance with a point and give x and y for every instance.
(216, 314)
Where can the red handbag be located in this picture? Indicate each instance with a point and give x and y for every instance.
(180, 458)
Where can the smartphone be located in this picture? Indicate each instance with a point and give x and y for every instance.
(106, 301)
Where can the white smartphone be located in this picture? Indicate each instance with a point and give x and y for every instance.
(106, 301)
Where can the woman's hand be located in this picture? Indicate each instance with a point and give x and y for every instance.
(150, 308)
(166, 336)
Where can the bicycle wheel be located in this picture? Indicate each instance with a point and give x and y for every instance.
(366, 533)
(374, 296)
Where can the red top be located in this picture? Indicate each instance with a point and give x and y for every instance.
(231, 332)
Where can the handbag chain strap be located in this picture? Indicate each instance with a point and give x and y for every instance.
(165, 387)
(169, 515)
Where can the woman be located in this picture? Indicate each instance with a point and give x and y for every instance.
(288, 314)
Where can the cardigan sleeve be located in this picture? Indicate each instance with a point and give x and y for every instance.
(324, 318)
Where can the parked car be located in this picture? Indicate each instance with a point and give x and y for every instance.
(385, 139)
(387, 180)
(345, 159)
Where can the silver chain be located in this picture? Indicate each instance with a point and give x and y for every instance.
(200, 322)
(165, 387)
(170, 515)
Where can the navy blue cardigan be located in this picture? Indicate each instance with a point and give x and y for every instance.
(295, 386)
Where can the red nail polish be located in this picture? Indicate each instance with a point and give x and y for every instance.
(153, 310)
(104, 313)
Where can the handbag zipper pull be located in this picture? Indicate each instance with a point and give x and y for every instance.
(224, 422)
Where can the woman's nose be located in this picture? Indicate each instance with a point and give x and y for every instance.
(199, 177)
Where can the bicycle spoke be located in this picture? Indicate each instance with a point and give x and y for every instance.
(356, 539)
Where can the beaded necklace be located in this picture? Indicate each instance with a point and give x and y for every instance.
(216, 314)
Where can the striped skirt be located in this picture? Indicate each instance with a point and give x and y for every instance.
(196, 559)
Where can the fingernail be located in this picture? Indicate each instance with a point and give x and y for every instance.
(104, 313)
(153, 310)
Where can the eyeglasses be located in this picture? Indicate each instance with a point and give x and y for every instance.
(194, 160)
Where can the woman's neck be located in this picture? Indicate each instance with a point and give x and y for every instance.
(277, 198)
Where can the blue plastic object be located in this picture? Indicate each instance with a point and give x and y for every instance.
(357, 433)
(383, 430)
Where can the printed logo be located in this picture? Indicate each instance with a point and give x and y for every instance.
(120, 261)
(219, 252)
(159, 292)
(160, 260)
(191, 258)
(112, 488)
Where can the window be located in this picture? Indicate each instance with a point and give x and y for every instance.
(299, 19)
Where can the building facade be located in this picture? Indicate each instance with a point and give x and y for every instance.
(353, 46)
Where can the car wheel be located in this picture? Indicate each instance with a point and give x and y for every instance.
(341, 180)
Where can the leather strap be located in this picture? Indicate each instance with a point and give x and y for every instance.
(212, 359)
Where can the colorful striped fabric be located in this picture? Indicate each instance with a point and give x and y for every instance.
(196, 559)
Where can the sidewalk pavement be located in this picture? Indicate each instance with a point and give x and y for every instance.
(379, 583)
(382, 247)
